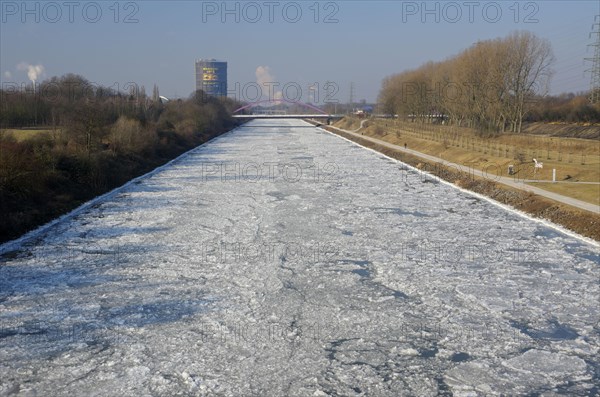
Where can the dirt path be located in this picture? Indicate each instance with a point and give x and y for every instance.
(512, 182)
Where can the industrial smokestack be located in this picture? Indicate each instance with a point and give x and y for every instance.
(34, 72)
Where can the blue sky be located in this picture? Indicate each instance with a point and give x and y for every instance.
(346, 41)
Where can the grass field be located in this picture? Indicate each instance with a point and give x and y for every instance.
(578, 220)
(24, 134)
(588, 193)
(575, 160)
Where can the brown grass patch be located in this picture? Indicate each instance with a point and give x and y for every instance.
(579, 221)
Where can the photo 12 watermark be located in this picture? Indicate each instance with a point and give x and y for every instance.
(255, 172)
(263, 92)
(267, 252)
(57, 90)
(269, 12)
(486, 251)
(292, 91)
(458, 332)
(256, 333)
(86, 254)
(69, 11)
(90, 332)
(526, 12)
(466, 92)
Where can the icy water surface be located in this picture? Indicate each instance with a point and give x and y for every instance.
(281, 260)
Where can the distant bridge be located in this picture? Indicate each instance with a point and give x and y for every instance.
(287, 116)
(320, 114)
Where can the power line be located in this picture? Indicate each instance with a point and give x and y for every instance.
(595, 70)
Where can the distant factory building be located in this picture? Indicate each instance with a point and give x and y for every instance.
(211, 77)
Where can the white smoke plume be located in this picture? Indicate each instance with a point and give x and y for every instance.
(263, 75)
(34, 72)
(266, 80)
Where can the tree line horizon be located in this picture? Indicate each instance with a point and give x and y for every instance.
(494, 85)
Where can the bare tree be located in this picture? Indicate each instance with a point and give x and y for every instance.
(155, 94)
(489, 86)
(528, 73)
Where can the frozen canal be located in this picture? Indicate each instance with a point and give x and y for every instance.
(280, 260)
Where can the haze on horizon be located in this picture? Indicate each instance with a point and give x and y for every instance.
(308, 43)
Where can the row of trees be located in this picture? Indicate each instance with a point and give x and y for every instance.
(92, 140)
(51, 102)
(491, 85)
(569, 108)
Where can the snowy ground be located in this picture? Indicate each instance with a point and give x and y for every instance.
(282, 260)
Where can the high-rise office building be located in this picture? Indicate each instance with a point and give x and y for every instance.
(211, 77)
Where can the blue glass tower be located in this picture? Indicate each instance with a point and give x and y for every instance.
(211, 77)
